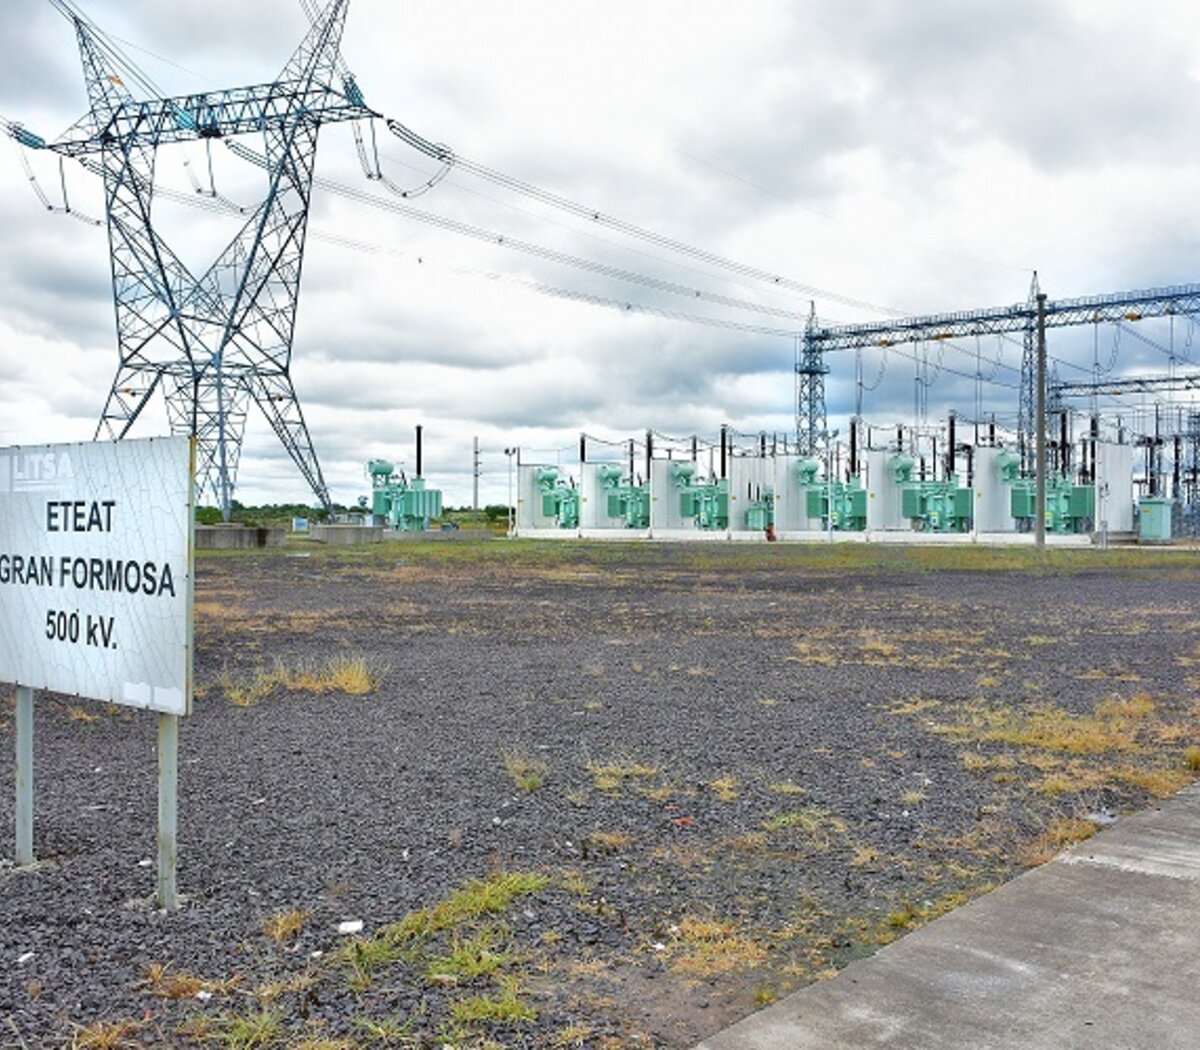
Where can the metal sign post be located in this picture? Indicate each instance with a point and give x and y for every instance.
(24, 775)
(168, 808)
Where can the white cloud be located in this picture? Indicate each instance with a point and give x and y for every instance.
(921, 155)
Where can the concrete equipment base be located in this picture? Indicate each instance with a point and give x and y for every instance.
(882, 536)
(1098, 948)
(236, 537)
(346, 535)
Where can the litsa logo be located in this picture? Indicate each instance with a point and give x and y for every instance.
(38, 470)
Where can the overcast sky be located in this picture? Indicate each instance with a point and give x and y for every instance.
(923, 155)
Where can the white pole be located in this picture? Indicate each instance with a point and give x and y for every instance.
(24, 775)
(509, 452)
(168, 796)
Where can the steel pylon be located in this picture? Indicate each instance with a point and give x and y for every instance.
(215, 343)
(812, 433)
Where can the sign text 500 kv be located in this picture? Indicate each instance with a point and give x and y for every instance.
(96, 570)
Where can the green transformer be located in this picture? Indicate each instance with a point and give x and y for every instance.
(624, 499)
(560, 499)
(937, 506)
(404, 504)
(1069, 507)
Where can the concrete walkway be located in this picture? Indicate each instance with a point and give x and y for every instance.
(1098, 948)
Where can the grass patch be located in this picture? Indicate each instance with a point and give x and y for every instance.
(908, 916)
(1057, 836)
(864, 856)
(399, 941)
(1191, 759)
(818, 825)
(527, 773)
(107, 1035)
(786, 787)
(249, 1031)
(609, 841)
(611, 776)
(1158, 782)
(725, 788)
(1113, 727)
(285, 925)
(347, 675)
(912, 706)
(708, 947)
(468, 958)
(507, 1006)
(813, 655)
(160, 980)
(477, 898)
(273, 990)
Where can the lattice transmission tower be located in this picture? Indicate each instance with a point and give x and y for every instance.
(216, 342)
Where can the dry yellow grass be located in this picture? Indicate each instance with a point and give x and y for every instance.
(864, 856)
(1158, 782)
(1057, 836)
(1114, 726)
(709, 947)
(609, 841)
(107, 1035)
(285, 925)
(162, 981)
(912, 706)
(725, 788)
(1191, 759)
(813, 655)
(610, 776)
(82, 715)
(817, 825)
(348, 675)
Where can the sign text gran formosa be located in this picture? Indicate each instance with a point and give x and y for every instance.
(95, 577)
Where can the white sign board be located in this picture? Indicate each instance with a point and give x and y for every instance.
(96, 570)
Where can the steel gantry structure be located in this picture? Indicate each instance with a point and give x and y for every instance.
(211, 343)
(1030, 319)
(1020, 318)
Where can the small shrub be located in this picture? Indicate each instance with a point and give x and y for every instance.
(527, 773)
(285, 925)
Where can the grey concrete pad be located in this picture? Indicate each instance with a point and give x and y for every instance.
(1098, 948)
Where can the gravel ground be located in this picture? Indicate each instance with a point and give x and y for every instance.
(651, 788)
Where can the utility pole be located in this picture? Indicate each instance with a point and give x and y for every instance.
(1041, 419)
(475, 471)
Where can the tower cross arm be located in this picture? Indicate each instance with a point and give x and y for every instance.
(1059, 313)
(213, 114)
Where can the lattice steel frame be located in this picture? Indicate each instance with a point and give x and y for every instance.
(215, 343)
(1116, 307)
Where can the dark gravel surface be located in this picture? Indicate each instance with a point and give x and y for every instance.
(746, 781)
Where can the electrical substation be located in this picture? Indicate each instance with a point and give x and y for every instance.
(1057, 449)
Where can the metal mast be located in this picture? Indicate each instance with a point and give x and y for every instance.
(1027, 409)
(811, 422)
(214, 343)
